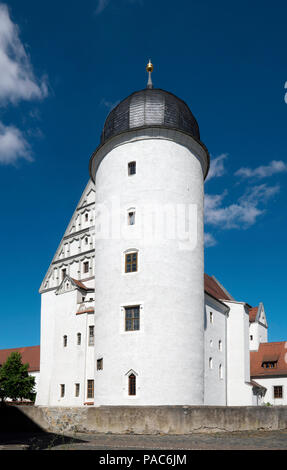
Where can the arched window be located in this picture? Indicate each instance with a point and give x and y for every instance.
(210, 363)
(132, 384)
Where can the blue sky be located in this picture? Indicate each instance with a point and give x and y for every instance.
(63, 65)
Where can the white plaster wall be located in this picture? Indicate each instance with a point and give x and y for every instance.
(259, 333)
(214, 386)
(64, 365)
(167, 354)
(269, 383)
(238, 361)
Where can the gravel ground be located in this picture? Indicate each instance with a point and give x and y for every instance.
(261, 440)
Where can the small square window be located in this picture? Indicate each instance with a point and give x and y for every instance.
(131, 168)
(100, 365)
(278, 391)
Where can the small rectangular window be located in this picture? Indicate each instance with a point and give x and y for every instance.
(79, 337)
(77, 390)
(132, 318)
(86, 267)
(131, 264)
(211, 317)
(64, 272)
(62, 387)
(90, 389)
(131, 168)
(65, 340)
(132, 384)
(278, 391)
(91, 335)
(131, 217)
(100, 364)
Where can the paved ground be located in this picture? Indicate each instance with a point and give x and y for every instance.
(263, 440)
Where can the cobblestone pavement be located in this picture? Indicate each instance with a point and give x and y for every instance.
(261, 440)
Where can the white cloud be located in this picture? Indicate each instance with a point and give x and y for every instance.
(209, 240)
(13, 145)
(17, 80)
(241, 214)
(216, 168)
(102, 4)
(276, 166)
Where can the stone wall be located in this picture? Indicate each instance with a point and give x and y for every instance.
(154, 420)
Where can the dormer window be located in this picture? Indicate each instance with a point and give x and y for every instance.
(269, 364)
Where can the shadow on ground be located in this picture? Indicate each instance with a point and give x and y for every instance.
(19, 431)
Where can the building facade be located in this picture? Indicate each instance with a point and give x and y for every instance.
(128, 316)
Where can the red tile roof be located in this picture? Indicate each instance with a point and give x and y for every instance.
(252, 314)
(269, 352)
(214, 289)
(80, 284)
(30, 355)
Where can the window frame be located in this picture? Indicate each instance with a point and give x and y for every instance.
(132, 168)
(132, 319)
(91, 341)
(90, 388)
(132, 385)
(86, 267)
(276, 389)
(131, 262)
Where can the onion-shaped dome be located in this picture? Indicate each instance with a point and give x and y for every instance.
(151, 107)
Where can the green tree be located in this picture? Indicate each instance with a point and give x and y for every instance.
(15, 381)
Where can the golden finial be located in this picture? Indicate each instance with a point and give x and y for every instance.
(149, 69)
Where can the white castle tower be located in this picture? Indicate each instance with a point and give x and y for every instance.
(149, 175)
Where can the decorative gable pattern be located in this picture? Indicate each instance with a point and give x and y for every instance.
(76, 246)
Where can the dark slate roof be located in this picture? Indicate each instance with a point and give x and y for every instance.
(147, 108)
